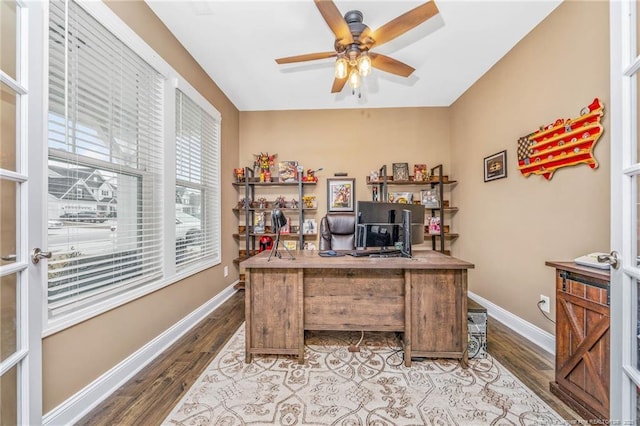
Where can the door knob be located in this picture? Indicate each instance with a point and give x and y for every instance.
(38, 254)
(611, 259)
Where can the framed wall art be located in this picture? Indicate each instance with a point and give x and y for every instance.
(341, 195)
(400, 171)
(495, 166)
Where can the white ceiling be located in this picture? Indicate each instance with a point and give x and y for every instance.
(237, 42)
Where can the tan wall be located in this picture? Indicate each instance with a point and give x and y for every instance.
(75, 357)
(510, 227)
(356, 141)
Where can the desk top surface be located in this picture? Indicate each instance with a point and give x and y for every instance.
(310, 259)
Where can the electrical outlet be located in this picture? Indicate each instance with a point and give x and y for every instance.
(226, 271)
(545, 306)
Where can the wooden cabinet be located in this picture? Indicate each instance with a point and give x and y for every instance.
(582, 339)
(443, 212)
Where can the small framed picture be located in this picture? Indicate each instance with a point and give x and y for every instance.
(341, 195)
(495, 166)
(430, 198)
(400, 171)
(290, 244)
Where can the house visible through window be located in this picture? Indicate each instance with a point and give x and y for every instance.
(105, 163)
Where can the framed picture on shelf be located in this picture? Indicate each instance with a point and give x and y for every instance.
(495, 166)
(341, 194)
(400, 171)
(290, 244)
(287, 171)
(430, 198)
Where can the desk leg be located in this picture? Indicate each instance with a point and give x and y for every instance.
(465, 328)
(247, 316)
(406, 338)
(300, 315)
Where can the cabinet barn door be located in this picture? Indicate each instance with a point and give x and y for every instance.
(582, 357)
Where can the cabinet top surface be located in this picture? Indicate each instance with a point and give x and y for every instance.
(602, 274)
(310, 259)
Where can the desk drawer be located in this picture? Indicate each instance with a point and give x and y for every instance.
(359, 300)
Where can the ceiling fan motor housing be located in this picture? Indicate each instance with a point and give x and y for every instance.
(354, 20)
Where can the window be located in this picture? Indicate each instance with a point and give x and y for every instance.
(197, 182)
(105, 129)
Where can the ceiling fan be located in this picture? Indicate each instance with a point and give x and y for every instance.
(354, 41)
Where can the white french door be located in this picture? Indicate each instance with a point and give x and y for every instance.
(625, 233)
(20, 280)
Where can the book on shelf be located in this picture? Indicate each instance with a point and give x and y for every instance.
(259, 221)
(434, 225)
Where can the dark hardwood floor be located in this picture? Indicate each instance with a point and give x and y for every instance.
(151, 395)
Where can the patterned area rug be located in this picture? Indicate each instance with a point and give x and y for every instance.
(370, 387)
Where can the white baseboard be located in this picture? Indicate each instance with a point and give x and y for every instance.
(80, 404)
(545, 340)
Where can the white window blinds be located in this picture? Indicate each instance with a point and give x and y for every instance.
(105, 163)
(197, 182)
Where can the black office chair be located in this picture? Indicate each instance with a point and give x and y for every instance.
(337, 231)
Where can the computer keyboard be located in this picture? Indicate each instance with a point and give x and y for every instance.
(376, 253)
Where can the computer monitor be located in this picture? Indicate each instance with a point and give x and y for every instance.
(381, 224)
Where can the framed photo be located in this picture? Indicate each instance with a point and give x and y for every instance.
(495, 166)
(430, 198)
(341, 195)
(290, 244)
(400, 171)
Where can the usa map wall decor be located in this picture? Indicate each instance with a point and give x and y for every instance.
(566, 142)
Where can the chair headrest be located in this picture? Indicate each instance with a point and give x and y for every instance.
(341, 223)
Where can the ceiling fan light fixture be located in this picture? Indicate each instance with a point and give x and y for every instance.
(364, 64)
(341, 67)
(354, 79)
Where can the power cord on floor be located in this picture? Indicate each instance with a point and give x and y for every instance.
(540, 302)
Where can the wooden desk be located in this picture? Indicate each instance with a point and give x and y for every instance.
(425, 298)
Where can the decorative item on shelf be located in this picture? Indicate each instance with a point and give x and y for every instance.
(374, 194)
(280, 203)
(244, 203)
(420, 173)
(374, 176)
(341, 195)
(241, 229)
(266, 243)
(400, 171)
(264, 161)
(434, 225)
(239, 174)
(262, 203)
(310, 245)
(495, 166)
(430, 198)
(288, 171)
(561, 144)
(311, 175)
(259, 223)
(310, 226)
(402, 197)
(293, 203)
(310, 201)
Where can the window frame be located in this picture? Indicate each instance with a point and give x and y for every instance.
(172, 80)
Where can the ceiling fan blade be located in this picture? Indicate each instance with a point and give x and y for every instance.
(404, 23)
(338, 84)
(306, 57)
(390, 65)
(334, 19)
